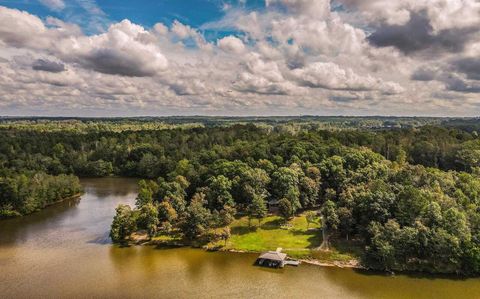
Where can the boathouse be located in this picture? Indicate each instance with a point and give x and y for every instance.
(272, 259)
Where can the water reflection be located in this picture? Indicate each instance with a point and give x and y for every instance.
(64, 251)
(103, 239)
(20, 230)
(108, 187)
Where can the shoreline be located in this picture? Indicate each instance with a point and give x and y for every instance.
(352, 264)
(78, 195)
(60, 201)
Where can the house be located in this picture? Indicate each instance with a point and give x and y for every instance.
(272, 206)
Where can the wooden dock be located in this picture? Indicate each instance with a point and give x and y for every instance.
(292, 263)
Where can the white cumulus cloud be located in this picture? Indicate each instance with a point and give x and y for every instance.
(293, 56)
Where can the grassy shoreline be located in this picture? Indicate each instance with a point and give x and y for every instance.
(297, 238)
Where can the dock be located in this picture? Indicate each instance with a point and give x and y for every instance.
(292, 263)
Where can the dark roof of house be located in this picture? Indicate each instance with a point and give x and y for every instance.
(273, 255)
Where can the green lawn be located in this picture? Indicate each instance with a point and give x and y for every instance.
(270, 234)
(294, 238)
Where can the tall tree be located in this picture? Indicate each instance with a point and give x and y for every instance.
(330, 222)
(148, 219)
(123, 224)
(257, 208)
(197, 219)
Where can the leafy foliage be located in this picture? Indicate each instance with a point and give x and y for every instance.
(29, 192)
(407, 189)
(123, 225)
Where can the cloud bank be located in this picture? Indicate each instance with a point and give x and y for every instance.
(292, 57)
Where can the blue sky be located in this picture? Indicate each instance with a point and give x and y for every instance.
(239, 57)
(143, 12)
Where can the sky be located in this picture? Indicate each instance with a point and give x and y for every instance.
(239, 57)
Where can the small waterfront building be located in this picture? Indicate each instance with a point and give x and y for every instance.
(272, 259)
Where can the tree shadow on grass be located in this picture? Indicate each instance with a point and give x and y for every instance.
(300, 232)
(272, 224)
(354, 248)
(243, 230)
(314, 240)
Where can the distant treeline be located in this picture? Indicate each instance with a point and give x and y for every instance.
(318, 121)
(363, 122)
(151, 150)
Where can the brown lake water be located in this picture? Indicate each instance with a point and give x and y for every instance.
(64, 252)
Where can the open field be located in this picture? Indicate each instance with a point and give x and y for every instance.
(296, 238)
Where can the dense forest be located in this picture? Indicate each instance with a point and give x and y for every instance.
(408, 190)
(22, 194)
(149, 149)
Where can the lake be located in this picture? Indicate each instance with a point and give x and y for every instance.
(65, 251)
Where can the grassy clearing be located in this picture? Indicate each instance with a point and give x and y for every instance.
(295, 238)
